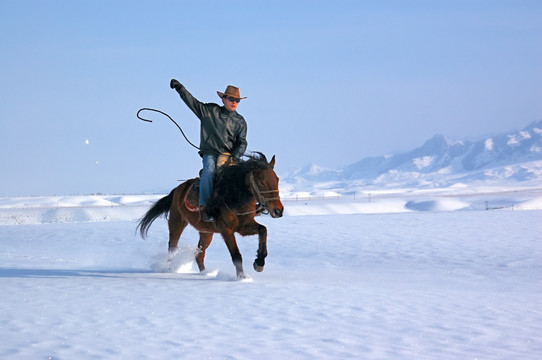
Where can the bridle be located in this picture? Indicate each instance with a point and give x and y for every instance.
(260, 198)
(259, 194)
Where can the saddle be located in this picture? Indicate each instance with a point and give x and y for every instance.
(191, 199)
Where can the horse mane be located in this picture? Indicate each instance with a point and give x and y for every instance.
(231, 188)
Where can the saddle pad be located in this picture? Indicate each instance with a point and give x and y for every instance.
(191, 199)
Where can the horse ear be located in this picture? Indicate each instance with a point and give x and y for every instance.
(272, 163)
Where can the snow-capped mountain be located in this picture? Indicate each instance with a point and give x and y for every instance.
(441, 161)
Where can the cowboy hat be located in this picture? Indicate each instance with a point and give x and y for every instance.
(231, 91)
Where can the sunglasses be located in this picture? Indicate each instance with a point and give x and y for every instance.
(229, 98)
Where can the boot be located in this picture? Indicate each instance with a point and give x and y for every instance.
(205, 215)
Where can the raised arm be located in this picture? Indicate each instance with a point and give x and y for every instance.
(193, 104)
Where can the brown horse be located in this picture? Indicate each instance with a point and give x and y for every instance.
(239, 190)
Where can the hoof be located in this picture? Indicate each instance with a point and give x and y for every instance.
(242, 276)
(172, 253)
(258, 268)
(173, 250)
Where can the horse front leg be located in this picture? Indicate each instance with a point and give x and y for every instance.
(237, 259)
(253, 229)
(259, 263)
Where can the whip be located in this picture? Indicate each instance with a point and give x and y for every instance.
(163, 113)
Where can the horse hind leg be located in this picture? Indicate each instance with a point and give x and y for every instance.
(176, 225)
(204, 242)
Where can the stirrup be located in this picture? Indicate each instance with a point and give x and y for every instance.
(207, 218)
(205, 215)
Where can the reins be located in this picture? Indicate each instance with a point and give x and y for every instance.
(163, 113)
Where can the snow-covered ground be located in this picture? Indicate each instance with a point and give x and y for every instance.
(321, 200)
(402, 275)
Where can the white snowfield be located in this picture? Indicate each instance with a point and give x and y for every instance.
(391, 275)
(92, 208)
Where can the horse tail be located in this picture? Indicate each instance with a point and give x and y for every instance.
(161, 207)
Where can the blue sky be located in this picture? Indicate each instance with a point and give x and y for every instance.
(328, 82)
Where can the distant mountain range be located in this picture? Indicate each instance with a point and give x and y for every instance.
(440, 162)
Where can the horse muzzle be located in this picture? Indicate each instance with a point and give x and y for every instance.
(277, 212)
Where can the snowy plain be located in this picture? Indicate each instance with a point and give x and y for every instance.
(409, 275)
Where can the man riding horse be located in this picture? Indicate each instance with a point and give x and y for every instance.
(222, 136)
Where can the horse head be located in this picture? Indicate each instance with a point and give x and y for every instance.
(264, 185)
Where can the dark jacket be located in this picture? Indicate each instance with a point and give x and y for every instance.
(221, 131)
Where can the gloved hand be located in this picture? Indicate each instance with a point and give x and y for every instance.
(174, 84)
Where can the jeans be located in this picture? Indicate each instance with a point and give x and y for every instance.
(207, 178)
